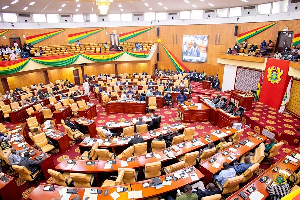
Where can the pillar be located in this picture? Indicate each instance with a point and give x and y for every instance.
(116, 69)
(46, 77)
(5, 84)
(82, 73)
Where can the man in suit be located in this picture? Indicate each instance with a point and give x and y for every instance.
(31, 165)
(210, 190)
(137, 139)
(157, 93)
(155, 123)
(71, 124)
(15, 158)
(168, 98)
(140, 121)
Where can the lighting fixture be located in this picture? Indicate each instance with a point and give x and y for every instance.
(201, 0)
(165, 8)
(63, 5)
(194, 6)
(25, 8)
(4, 7)
(78, 5)
(77, 0)
(150, 8)
(160, 4)
(32, 3)
(76, 9)
(15, 1)
(245, 0)
(120, 6)
(186, 1)
(121, 9)
(211, 4)
(59, 9)
(146, 4)
(103, 6)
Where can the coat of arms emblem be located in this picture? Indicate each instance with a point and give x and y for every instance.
(274, 74)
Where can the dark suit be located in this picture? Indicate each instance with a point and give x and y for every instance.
(139, 123)
(206, 192)
(155, 123)
(71, 125)
(136, 140)
(31, 165)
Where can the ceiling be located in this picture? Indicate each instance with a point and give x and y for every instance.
(133, 6)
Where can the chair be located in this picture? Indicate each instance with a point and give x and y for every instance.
(58, 106)
(52, 100)
(125, 176)
(127, 152)
(37, 107)
(81, 104)
(2, 128)
(236, 137)
(207, 153)
(59, 178)
(212, 197)
(178, 139)
(190, 158)
(249, 172)
(15, 106)
(152, 103)
(158, 145)
(33, 124)
(65, 102)
(231, 184)
(189, 133)
(274, 150)
(175, 167)
(258, 156)
(141, 128)
(6, 110)
(152, 170)
(224, 146)
(74, 135)
(47, 113)
(41, 141)
(128, 131)
(26, 175)
(82, 180)
(103, 154)
(100, 133)
(90, 155)
(29, 111)
(74, 108)
(140, 149)
(4, 154)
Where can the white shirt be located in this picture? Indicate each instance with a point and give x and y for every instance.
(16, 45)
(13, 56)
(107, 133)
(123, 97)
(181, 84)
(86, 85)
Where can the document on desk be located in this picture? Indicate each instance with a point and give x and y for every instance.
(167, 182)
(124, 163)
(91, 142)
(292, 159)
(170, 154)
(62, 191)
(194, 177)
(135, 194)
(69, 166)
(88, 195)
(249, 144)
(284, 172)
(106, 143)
(232, 149)
(156, 155)
(216, 165)
(115, 195)
(107, 166)
(100, 141)
(256, 195)
(66, 196)
(297, 156)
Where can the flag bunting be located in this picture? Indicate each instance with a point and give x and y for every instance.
(126, 36)
(34, 39)
(81, 35)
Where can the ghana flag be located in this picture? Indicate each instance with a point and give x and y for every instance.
(10, 67)
(81, 35)
(126, 36)
(249, 34)
(3, 32)
(34, 39)
(296, 40)
(56, 61)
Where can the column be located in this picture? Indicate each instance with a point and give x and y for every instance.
(82, 73)
(46, 77)
(116, 69)
(5, 84)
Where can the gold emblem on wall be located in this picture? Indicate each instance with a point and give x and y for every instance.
(274, 74)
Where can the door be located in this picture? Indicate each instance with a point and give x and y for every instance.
(76, 76)
(17, 40)
(284, 38)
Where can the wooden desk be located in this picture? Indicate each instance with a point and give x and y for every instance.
(6, 101)
(83, 97)
(159, 101)
(20, 115)
(175, 94)
(62, 114)
(9, 190)
(89, 127)
(1, 116)
(88, 112)
(125, 107)
(194, 115)
(206, 84)
(261, 187)
(39, 116)
(240, 100)
(207, 168)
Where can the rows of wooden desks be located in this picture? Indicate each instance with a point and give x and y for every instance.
(62, 114)
(88, 112)
(87, 125)
(198, 113)
(230, 154)
(287, 166)
(137, 190)
(136, 107)
(218, 117)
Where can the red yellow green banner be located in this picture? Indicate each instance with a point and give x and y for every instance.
(249, 34)
(296, 40)
(3, 32)
(81, 35)
(34, 39)
(126, 36)
(176, 62)
(10, 67)
(56, 61)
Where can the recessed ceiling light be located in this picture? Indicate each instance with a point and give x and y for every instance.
(186, 1)
(201, 0)
(150, 8)
(76, 10)
(63, 5)
(4, 7)
(245, 0)
(121, 9)
(211, 4)
(15, 1)
(146, 4)
(77, 0)
(194, 6)
(160, 4)
(59, 9)
(78, 5)
(25, 8)
(32, 3)
(165, 8)
(120, 5)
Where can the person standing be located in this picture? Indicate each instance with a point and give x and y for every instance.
(86, 88)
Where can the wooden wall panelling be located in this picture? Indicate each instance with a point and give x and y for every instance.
(63, 73)
(25, 80)
(97, 68)
(1, 88)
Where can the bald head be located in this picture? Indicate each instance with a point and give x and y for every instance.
(211, 186)
(77, 197)
(222, 140)
(272, 140)
(211, 145)
(247, 160)
(225, 165)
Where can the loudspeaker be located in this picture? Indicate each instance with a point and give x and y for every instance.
(236, 30)
(157, 56)
(157, 31)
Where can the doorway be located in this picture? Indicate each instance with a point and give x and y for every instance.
(17, 40)
(284, 38)
(76, 76)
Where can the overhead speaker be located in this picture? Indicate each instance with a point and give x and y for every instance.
(236, 30)
(157, 31)
(157, 56)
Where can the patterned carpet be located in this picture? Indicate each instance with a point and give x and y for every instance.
(169, 116)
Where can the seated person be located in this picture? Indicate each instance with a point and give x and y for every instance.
(278, 188)
(242, 167)
(140, 121)
(31, 165)
(263, 45)
(181, 98)
(161, 84)
(168, 98)
(229, 51)
(221, 143)
(169, 137)
(270, 145)
(123, 97)
(118, 83)
(252, 48)
(15, 158)
(168, 89)
(176, 89)
(236, 48)
(100, 89)
(188, 195)
(225, 174)
(209, 146)
(142, 97)
(34, 99)
(151, 83)
(208, 191)
(136, 139)
(287, 49)
(181, 84)
(185, 90)
(149, 93)
(70, 124)
(126, 83)
(157, 93)
(134, 87)
(216, 84)
(244, 44)
(107, 132)
(129, 92)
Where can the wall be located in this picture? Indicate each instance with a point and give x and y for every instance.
(25, 80)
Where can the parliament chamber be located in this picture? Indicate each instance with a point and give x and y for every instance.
(155, 100)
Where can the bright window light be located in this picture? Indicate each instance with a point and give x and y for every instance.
(126, 17)
(10, 17)
(114, 17)
(149, 16)
(78, 18)
(185, 15)
(235, 12)
(280, 7)
(53, 18)
(197, 14)
(93, 17)
(264, 9)
(39, 17)
(222, 12)
(0, 18)
(161, 16)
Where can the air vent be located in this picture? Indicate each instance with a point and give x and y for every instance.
(209, 11)
(295, 1)
(172, 13)
(24, 15)
(65, 15)
(102, 16)
(249, 7)
(138, 15)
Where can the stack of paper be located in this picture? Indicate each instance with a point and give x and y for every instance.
(106, 143)
(167, 182)
(216, 165)
(249, 144)
(115, 195)
(124, 163)
(232, 149)
(256, 195)
(107, 166)
(69, 166)
(292, 159)
(88, 195)
(156, 155)
(284, 172)
(297, 156)
(135, 194)
(194, 177)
